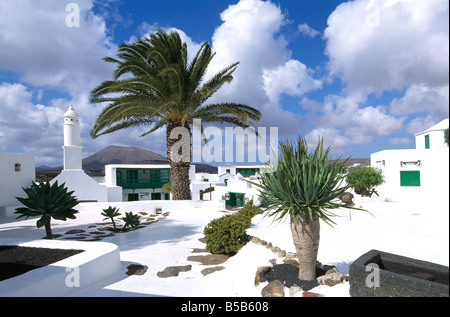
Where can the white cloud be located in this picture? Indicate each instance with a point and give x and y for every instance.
(423, 99)
(389, 44)
(28, 126)
(347, 120)
(331, 138)
(250, 34)
(37, 44)
(45, 53)
(379, 46)
(292, 78)
(307, 30)
(400, 141)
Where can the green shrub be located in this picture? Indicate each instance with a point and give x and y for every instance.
(226, 235)
(446, 136)
(249, 211)
(363, 178)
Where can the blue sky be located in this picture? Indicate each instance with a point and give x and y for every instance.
(365, 74)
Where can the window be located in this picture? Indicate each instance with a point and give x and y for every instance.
(132, 176)
(142, 178)
(427, 141)
(156, 196)
(410, 178)
(17, 167)
(133, 197)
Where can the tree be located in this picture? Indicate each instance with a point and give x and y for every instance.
(304, 187)
(47, 201)
(156, 85)
(364, 178)
(446, 136)
(110, 213)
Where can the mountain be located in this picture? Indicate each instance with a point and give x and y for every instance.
(122, 155)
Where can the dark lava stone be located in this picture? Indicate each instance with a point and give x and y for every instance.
(288, 275)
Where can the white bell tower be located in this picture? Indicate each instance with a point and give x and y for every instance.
(72, 140)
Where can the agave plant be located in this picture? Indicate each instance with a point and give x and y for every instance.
(47, 201)
(110, 213)
(131, 220)
(305, 186)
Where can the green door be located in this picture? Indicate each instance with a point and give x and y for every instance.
(410, 178)
(234, 199)
(239, 200)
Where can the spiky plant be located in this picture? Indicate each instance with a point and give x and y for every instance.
(156, 85)
(48, 201)
(305, 186)
(131, 220)
(110, 213)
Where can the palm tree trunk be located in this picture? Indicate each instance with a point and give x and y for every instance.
(306, 240)
(179, 158)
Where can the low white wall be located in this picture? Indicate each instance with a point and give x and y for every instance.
(99, 261)
(150, 205)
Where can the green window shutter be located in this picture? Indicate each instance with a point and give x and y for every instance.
(427, 141)
(410, 178)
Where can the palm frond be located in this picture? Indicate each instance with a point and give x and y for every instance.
(154, 84)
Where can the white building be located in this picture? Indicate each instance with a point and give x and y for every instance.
(421, 171)
(17, 171)
(141, 181)
(86, 189)
(230, 185)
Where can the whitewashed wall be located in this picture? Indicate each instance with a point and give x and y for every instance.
(12, 181)
(86, 188)
(433, 167)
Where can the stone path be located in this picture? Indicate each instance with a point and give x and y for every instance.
(99, 231)
(208, 259)
(270, 274)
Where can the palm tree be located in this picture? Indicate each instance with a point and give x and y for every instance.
(156, 85)
(304, 186)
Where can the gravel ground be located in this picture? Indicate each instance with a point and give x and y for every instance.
(16, 260)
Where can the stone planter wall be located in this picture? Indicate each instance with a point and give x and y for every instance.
(396, 276)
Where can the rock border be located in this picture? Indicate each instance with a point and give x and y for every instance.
(330, 278)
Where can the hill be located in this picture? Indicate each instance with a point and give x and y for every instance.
(114, 154)
(121, 155)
